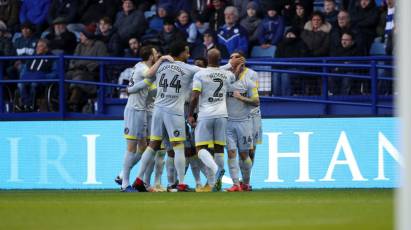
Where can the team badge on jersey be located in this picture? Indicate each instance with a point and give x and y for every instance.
(176, 133)
(126, 131)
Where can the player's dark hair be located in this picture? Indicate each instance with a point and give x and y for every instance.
(176, 48)
(241, 53)
(203, 59)
(145, 52)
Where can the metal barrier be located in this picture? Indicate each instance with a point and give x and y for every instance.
(368, 69)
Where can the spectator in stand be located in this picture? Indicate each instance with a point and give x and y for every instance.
(23, 46)
(177, 5)
(42, 68)
(6, 46)
(241, 6)
(300, 17)
(208, 44)
(199, 9)
(9, 14)
(202, 25)
(288, 11)
(271, 29)
(343, 25)
(84, 70)
(232, 35)
(134, 48)
(308, 6)
(291, 46)
(216, 14)
(201, 62)
(129, 22)
(347, 48)
(251, 23)
(63, 9)
(169, 34)
(389, 27)
(90, 12)
(109, 36)
(35, 12)
(156, 22)
(330, 12)
(184, 24)
(60, 39)
(365, 19)
(316, 35)
(317, 39)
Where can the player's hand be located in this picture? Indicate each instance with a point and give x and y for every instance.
(167, 58)
(235, 62)
(237, 94)
(238, 69)
(192, 121)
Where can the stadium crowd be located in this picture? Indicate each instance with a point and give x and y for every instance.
(296, 28)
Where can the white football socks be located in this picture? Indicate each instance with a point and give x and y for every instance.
(130, 159)
(208, 160)
(146, 159)
(180, 162)
(159, 166)
(233, 168)
(170, 170)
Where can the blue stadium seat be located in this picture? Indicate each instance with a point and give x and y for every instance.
(377, 48)
(257, 51)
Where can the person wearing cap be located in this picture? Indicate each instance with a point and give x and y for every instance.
(272, 27)
(251, 23)
(61, 40)
(84, 70)
(9, 14)
(35, 12)
(129, 22)
(156, 22)
(201, 24)
(22, 46)
(232, 35)
(170, 34)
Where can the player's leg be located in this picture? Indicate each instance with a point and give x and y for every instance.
(147, 158)
(244, 130)
(175, 128)
(171, 171)
(134, 132)
(158, 172)
(233, 168)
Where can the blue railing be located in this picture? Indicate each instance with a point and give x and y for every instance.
(369, 68)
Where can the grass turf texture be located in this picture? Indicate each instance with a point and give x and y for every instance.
(265, 209)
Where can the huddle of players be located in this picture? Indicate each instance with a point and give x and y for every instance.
(228, 112)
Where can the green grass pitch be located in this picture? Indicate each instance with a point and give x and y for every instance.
(351, 209)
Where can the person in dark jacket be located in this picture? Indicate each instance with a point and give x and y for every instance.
(39, 68)
(347, 48)
(300, 18)
(109, 36)
(209, 42)
(216, 14)
(291, 46)
(251, 23)
(271, 29)
(316, 35)
(170, 34)
(9, 14)
(330, 11)
(129, 22)
(63, 8)
(6, 46)
(60, 39)
(35, 12)
(365, 19)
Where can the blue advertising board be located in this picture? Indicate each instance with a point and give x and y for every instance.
(296, 153)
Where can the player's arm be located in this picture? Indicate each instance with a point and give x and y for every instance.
(153, 69)
(195, 95)
(233, 62)
(146, 83)
(253, 100)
